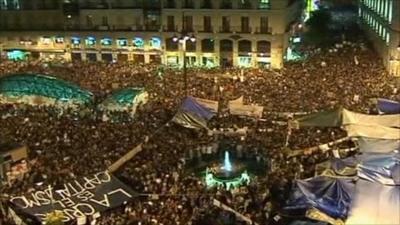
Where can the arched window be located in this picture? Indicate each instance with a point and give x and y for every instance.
(226, 45)
(171, 45)
(207, 45)
(264, 47)
(244, 46)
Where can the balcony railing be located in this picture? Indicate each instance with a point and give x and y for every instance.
(152, 27)
(170, 28)
(243, 30)
(204, 29)
(225, 29)
(264, 30)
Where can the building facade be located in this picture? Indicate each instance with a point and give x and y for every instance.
(381, 21)
(246, 33)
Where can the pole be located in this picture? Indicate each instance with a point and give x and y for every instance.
(184, 67)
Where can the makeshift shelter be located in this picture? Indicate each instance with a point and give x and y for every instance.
(327, 194)
(192, 114)
(342, 117)
(36, 89)
(380, 168)
(124, 100)
(387, 106)
(375, 145)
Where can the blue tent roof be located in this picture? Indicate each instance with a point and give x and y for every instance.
(329, 195)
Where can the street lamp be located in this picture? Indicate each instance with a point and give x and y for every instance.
(182, 40)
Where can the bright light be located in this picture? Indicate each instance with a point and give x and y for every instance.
(192, 39)
(69, 16)
(175, 39)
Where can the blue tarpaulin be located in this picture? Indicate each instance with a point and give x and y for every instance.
(381, 168)
(331, 196)
(192, 114)
(388, 106)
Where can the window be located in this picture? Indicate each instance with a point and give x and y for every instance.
(171, 23)
(155, 43)
(138, 42)
(122, 42)
(207, 24)
(90, 41)
(89, 20)
(264, 24)
(226, 4)
(207, 4)
(104, 21)
(390, 11)
(170, 4)
(207, 45)
(225, 24)
(188, 4)
(263, 4)
(106, 41)
(245, 24)
(188, 23)
(245, 4)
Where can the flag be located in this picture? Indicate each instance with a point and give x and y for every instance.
(193, 115)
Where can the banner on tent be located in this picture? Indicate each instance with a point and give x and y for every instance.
(82, 197)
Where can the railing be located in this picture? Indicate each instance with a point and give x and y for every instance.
(170, 28)
(264, 30)
(203, 29)
(225, 29)
(152, 27)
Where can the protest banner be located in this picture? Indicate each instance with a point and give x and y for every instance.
(82, 197)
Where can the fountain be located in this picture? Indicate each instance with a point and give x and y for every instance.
(227, 175)
(227, 163)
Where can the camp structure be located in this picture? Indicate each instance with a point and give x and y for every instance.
(36, 89)
(124, 100)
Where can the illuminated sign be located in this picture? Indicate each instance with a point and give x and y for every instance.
(16, 55)
(138, 42)
(75, 40)
(122, 42)
(155, 42)
(106, 42)
(90, 41)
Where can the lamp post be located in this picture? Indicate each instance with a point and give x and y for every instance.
(182, 40)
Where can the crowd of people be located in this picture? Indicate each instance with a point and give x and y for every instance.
(64, 147)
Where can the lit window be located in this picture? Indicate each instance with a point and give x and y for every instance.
(388, 38)
(155, 42)
(122, 42)
(390, 13)
(46, 40)
(90, 41)
(263, 4)
(59, 40)
(138, 42)
(75, 40)
(106, 41)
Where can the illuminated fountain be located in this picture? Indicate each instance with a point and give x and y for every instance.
(227, 175)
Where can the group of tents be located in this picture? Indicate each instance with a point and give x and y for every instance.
(359, 190)
(36, 89)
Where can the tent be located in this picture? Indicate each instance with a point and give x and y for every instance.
(375, 145)
(124, 100)
(327, 194)
(36, 89)
(388, 106)
(193, 114)
(339, 117)
(380, 168)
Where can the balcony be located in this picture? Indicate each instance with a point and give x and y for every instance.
(152, 27)
(204, 29)
(264, 30)
(225, 29)
(170, 28)
(244, 30)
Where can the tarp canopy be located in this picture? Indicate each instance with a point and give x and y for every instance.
(380, 168)
(192, 114)
(374, 204)
(125, 99)
(237, 107)
(331, 196)
(350, 117)
(340, 116)
(339, 167)
(22, 87)
(372, 131)
(374, 145)
(329, 118)
(388, 106)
